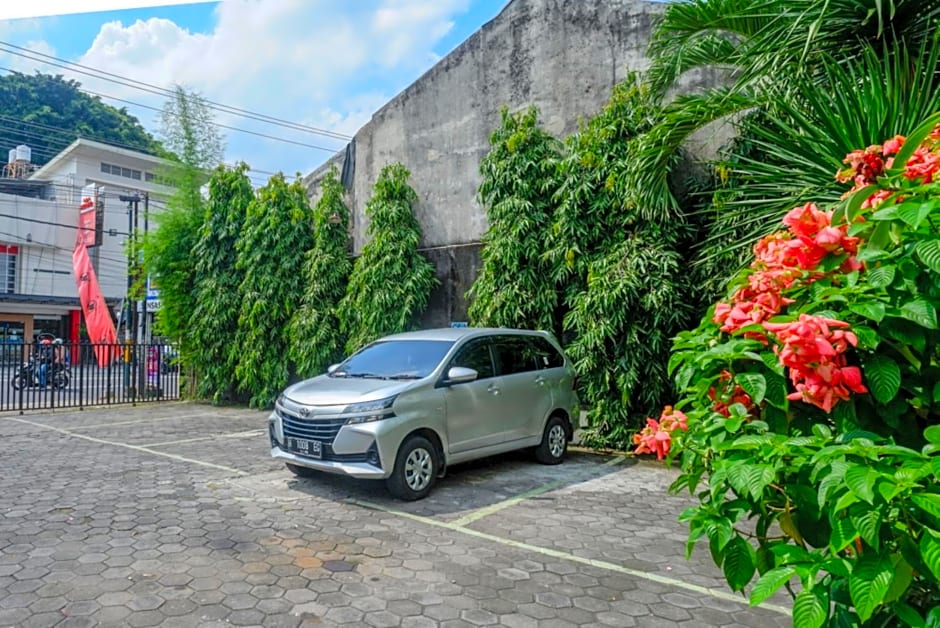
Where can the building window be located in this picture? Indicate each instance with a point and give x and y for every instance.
(127, 173)
(8, 268)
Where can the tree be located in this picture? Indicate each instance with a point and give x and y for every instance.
(214, 325)
(194, 148)
(315, 325)
(277, 235)
(515, 287)
(391, 281)
(47, 113)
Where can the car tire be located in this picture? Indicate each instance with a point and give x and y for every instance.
(301, 472)
(554, 442)
(17, 382)
(416, 469)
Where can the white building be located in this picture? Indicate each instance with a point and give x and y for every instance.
(39, 209)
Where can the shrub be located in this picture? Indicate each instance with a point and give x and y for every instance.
(813, 403)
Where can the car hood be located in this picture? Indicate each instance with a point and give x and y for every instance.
(331, 391)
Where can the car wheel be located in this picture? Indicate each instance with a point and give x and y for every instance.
(17, 382)
(554, 442)
(301, 472)
(415, 470)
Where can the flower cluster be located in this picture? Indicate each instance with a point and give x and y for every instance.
(813, 348)
(780, 260)
(656, 437)
(865, 167)
(728, 395)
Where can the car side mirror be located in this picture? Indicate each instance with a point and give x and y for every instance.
(460, 375)
(331, 368)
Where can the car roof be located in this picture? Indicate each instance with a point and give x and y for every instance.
(458, 333)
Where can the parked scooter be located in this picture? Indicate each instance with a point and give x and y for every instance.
(57, 375)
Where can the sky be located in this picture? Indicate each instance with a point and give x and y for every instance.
(326, 65)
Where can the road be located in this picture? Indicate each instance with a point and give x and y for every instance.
(175, 515)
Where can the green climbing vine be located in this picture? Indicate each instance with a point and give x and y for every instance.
(391, 281)
(277, 234)
(514, 287)
(315, 325)
(215, 317)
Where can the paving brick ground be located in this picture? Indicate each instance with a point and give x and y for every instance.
(175, 515)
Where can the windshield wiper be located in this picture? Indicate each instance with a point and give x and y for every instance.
(366, 375)
(404, 376)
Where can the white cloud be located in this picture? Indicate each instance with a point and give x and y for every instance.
(294, 59)
(301, 60)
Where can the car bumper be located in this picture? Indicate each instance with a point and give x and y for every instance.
(350, 442)
(362, 470)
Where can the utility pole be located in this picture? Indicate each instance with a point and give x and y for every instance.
(130, 318)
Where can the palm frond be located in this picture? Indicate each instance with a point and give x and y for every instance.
(795, 149)
(646, 185)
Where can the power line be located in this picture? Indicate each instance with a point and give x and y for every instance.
(67, 133)
(162, 91)
(221, 126)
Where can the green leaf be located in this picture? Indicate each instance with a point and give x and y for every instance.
(883, 376)
(872, 310)
(772, 361)
(881, 276)
(843, 533)
(869, 526)
(868, 338)
(921, 312)
(914, 212)
(753, 384)
(929, 253)
(861, 481)
(768, 584)
(928, 502)
(930, 551)
(739, 563)
(908, 615)
(903, 575)
(869, 584)
(810, 608)
(932, 433)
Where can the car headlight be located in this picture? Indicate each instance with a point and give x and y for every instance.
(369, 411)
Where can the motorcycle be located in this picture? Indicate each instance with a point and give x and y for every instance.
(57, 375)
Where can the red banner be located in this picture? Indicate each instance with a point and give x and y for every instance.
(97, 317)
(87, 210)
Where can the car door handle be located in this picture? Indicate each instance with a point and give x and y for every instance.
(540, 380)
(493, 388)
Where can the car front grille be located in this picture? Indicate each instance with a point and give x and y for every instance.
(323, 430)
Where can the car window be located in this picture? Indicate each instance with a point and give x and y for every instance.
(475, 355)
(395, 359)
(515, 354)
(547, 356)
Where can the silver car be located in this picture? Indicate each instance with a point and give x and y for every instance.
(406, 406)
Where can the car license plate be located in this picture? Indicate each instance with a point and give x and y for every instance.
(304, 447)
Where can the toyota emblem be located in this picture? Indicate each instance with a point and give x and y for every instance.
(305, 412)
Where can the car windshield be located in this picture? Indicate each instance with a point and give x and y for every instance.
(395, 359)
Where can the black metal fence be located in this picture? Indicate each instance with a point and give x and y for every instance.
(37, 377)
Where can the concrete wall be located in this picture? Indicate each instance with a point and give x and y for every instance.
(563, 56)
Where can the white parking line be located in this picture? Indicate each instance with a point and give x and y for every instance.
(546, 551)
(247, 434)
(126, 446)
(478, 514)
(134, 422)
